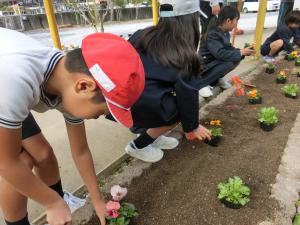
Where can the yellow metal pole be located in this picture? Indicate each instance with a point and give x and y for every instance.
(52, 23)
(261, 15)
(155, 11)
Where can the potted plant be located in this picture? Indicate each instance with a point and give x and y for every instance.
(293, 55)
(281, 78)
(254, 97)
(296, 218)
(234, 193)
(119, 213)
(270, 68)
(268, 118)
(291, 90)
(216, 133)
(297, 61)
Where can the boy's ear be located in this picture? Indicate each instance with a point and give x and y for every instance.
(87, 84)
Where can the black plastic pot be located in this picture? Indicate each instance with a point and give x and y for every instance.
(270, 71)
(280, 81)
(290, 96)
(267, 127)
(255, 100)
(230, 204)
(213, 142)
(298, 74)
(297, 63)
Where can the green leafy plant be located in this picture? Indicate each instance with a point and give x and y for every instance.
(296, 220)
(126, 212)
(291, 90)
(271, 66)
(119, 213)
(298, 59)
(234, 191)
(216, 132)
(268, 115)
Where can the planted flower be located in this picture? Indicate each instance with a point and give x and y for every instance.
(234, 193)
(297, 61)
(291, 90)
(119, 213)
(216, 133)
(268, 118)
(254, 97)
(281, 78)
(293, 55)
(270, 68)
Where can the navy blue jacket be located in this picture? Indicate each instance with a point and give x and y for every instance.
(217, 47)
(284, 33)
(168, 97)
(297, 37)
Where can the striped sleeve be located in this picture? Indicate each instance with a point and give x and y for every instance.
(10, 124)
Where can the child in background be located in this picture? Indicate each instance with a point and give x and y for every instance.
(281, 39)
(172, 69)
(218, 54)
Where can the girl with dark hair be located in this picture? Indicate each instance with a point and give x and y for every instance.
(219, 56)
(173, 70)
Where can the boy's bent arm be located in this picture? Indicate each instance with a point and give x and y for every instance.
(15, 172)
(85, 165)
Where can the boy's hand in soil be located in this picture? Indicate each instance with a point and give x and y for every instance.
(59, 213)
(247, 51)
(200, 133)
(101, 212)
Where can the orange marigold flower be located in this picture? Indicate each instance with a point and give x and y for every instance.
(253, 93)
(215, 122)
(282, 73)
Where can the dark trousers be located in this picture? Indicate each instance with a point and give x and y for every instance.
(206, 8)
(285, 8)
(219, 70)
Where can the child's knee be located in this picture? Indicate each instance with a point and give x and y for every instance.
(278, 43)
(27, 160)
(46, 156)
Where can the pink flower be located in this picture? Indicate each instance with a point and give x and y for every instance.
(112, 209)
(118, 193)
(111, 205)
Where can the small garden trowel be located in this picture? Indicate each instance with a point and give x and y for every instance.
(238, 84)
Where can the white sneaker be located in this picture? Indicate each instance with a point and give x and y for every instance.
(167, 143)
(205, 92)
(73, 202)
(269, 59)
(223, 83)
(147, 154)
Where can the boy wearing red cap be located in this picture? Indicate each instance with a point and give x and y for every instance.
(82, 85)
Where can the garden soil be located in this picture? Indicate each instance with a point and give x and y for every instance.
(182, 188)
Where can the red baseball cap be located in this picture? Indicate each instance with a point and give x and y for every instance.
(118, 70)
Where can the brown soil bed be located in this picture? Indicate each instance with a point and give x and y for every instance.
(181, 189)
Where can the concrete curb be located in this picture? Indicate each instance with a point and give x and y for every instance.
(124, 169)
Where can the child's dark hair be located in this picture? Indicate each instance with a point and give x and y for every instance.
(74, 63)
(227, 12)
(173, 43)
(292, 17)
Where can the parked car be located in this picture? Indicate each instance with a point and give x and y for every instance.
(253, 5)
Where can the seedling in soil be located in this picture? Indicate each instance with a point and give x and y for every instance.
(216, 133)
(296, 219)
(281, 78)
(254, 97)
(291, 90)
(298, 72)
(270, 68)
(234, 194)
(297, 61)
(119, 213)
(268, 118)
(293, 55)
(248, 45)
